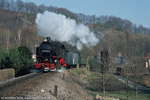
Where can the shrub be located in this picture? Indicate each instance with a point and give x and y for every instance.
(14, 59)
(3, 58)
(25, 56)
(20, 59)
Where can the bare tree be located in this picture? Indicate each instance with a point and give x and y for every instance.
(12, 5)
(104, 68)
(7, 5)
(33, 7)
(18, 41)
(41, 8)
(7, 39)
(2, 4)
(27, 7)
(20, 5)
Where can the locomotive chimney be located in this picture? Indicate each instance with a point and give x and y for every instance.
(48, 39)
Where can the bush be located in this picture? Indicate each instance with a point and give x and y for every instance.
(25, 56)
(3, 58)
(14, 59)
(94, 65)
(20, 59)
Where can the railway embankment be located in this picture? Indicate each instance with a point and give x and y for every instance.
(72, 84)
(69, 87)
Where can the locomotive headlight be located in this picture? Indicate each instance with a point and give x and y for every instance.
(55, 60)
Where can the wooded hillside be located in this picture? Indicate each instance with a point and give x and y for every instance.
(17, 27)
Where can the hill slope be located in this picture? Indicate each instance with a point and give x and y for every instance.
(18, 28)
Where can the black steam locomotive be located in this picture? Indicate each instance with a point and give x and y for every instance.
(52, 55)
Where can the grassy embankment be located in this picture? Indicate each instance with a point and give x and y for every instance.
(119, 93)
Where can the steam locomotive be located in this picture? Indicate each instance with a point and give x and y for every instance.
(52, 55)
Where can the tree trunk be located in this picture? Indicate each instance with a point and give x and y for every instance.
(7, 39)
(136, 91)
(103, 83)
(127, 87)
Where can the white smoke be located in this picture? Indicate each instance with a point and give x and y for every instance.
(60, 28)
(61, 70)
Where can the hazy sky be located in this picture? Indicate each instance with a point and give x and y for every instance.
(137, 11)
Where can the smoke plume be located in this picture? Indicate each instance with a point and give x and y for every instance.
(60, 28)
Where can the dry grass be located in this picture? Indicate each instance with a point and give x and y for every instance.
(7, 74)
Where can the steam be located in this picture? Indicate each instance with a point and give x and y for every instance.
(60, 28)
(61, 70)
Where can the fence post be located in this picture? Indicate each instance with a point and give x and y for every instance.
(63, 76)
(77, 66)
(55, 90)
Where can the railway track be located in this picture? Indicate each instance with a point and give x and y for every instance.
(18, 86)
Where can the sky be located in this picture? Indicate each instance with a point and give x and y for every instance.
(137, 11)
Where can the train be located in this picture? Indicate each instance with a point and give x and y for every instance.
(53, 55)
